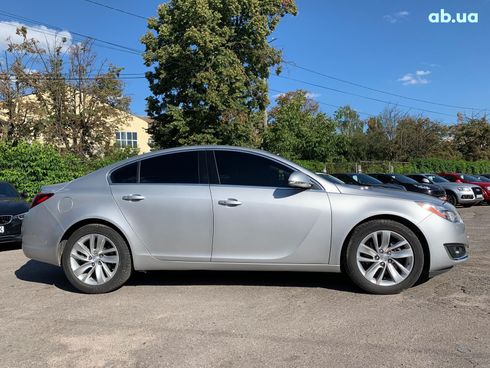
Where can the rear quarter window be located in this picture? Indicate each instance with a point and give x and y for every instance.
(125, 174)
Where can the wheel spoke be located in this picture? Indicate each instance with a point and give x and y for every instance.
(405, 253)
(363, 248)
(80, 270)
(370, 272)
(88, 274)
(400, 244)
(385, 239)
(374, 236)
(79, 246)
(99, 274)
(364, 259)
(108, 272)
(108, 250)
(101, 240)
(404, 270)
(81, 257)
(381, 275)
(394, 273)
(92, 243)
(110, 259)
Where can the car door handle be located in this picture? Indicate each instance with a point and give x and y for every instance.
(133, 197)
(230, 202)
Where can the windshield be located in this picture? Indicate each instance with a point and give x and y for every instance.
(482, 178)
(469, 177)
(437, 179)
(365, 179)
(331, 178)
(7, 191)
(404, 179)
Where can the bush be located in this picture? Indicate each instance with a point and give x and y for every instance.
(30, 166)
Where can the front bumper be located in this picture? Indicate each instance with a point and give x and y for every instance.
(11, 231)
(439, 233)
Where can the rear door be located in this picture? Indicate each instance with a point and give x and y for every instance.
(258, 218)
(167, 202)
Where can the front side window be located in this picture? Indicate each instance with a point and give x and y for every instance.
(239, 168)
(175, 168)
(127, 139)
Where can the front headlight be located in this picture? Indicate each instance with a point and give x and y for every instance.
(441, 211)
(20, 216)
(464, 189)
(424, 187)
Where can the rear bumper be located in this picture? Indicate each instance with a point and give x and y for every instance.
(40, 235)
(439, 233)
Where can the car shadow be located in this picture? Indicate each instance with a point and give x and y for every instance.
(10, 246)
(43, 273)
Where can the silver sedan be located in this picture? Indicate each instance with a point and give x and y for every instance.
(229, 208)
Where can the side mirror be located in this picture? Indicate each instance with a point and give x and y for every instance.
(426, 181)
(24, 195)
(299, 180)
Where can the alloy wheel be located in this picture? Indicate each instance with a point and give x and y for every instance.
(94, 259)
(385, 258)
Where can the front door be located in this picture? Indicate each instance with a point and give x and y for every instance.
(258, 218)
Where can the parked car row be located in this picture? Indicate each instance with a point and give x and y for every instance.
(457, 189)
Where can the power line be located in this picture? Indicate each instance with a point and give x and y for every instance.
(116, 9)
(293, 64)
(33, 21)
(362, 96)
(327, 104)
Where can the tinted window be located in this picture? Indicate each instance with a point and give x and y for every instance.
(126, 174)
(449, 177)
(437, 179)
(237, 168)
(366, 179)
(7, 190)
(331, 178)
(403, 179)
(178, 168)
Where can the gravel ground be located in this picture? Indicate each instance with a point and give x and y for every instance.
(247, 319)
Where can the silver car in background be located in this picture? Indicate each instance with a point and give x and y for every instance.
(230, 208)
(466, 195)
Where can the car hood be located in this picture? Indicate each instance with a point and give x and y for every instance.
(13, 206)
(455, 185)
(381, 192)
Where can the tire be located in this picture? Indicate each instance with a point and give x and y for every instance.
(384, 266)
(96, 259)
(451, 198)
(467, 205)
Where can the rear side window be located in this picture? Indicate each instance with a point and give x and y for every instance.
(238, 168)
(175, 168)
(125, 174)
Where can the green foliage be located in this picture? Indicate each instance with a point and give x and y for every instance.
(299, 131)
(211, 60)
(315, 166)
(30, 166)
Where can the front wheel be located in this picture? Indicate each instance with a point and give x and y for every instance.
(384, 257)
(96, 259)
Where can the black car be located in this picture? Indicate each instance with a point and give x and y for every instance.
(365, 180)
(330, 178)
(13, 207)
(412, 185)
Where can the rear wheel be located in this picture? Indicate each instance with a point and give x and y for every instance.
(384, 257)
(96, 259)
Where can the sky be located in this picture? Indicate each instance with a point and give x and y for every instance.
(362, 53)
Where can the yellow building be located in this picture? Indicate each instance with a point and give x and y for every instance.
(134, 134)
(131, 134)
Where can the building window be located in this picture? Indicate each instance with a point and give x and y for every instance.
(127, 139)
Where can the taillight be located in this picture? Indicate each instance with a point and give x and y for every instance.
(40, 198)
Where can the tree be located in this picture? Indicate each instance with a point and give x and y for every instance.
(17, 114)
(80, 101)
(471, 137)
(351, 127)
(299, 131)
(211, 60)
(418, 138)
